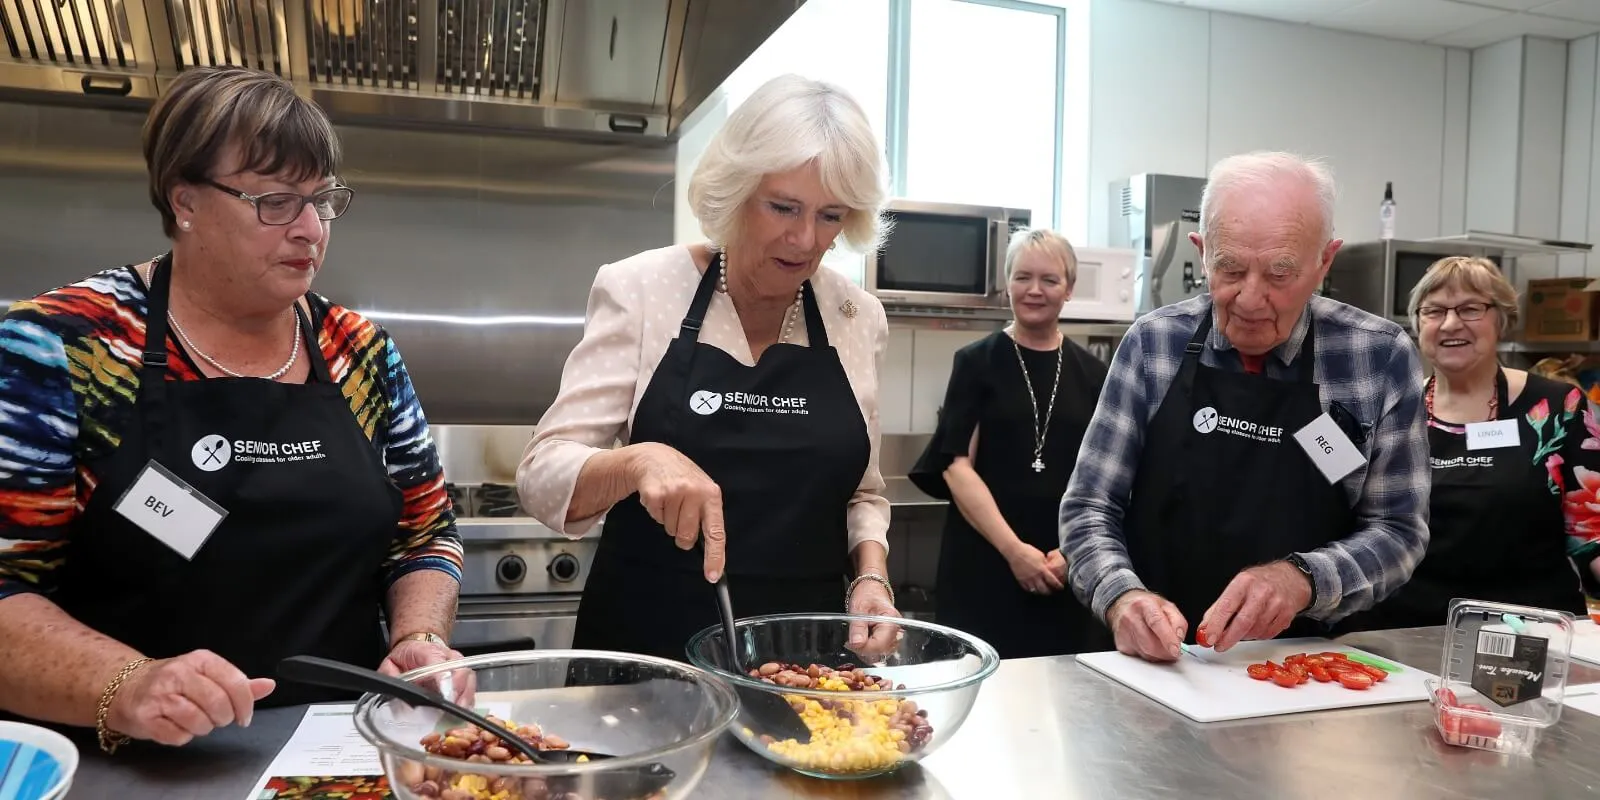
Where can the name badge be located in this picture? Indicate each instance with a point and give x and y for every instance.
(1329, 448)
(1490, 435)
(169, 509)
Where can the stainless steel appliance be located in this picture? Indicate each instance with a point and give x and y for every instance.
(1377, 276)
(941, 256)
(521, 581)
(1154, 215)
(609, 68)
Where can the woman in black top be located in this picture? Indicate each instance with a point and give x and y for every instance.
(1013, 417)
(1516, 463)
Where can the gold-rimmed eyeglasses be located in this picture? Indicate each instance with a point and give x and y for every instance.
(282, 208)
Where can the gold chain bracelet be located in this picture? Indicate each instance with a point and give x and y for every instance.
(110, 740)
(867, 576)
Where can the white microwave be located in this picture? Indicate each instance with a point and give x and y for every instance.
(1104, 289)
(943, 255)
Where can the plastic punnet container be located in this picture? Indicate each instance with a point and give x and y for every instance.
(1503, 676)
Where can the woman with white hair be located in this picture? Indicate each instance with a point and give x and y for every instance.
(1516, 463)
(1013, 418)
(741, 382)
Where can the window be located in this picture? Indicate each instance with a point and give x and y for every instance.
(978, 103)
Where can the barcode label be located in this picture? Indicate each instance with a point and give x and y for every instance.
(1496, 644)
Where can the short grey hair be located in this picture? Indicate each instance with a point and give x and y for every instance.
(1266, 167)
(788, 122)
(1470, 274)
(1048, 242)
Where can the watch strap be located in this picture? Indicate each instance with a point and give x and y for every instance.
(1299, 563)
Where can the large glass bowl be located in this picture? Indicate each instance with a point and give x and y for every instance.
(936, 672)
(650, 713)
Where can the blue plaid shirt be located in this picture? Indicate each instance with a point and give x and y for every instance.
(1367, 364)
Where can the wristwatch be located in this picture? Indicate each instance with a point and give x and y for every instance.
(1299, 563)
(424, 636)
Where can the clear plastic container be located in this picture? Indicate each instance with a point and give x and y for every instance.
(1503, 676)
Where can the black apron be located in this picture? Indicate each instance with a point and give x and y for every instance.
(1495, 533)
(1208, 504)
(296, 565)
(786, 477)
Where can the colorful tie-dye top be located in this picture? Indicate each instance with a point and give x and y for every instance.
(69, 376)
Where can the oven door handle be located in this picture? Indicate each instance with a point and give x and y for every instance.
(483, 648)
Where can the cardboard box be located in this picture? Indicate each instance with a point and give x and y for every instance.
(1561, 310)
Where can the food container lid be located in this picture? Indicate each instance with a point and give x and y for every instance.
(1513, 660)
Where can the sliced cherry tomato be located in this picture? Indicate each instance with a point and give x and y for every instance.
(1321, 673)
(1273, 666)
(1336, 656)
(1260, 672)
(1201, 637)
(1355, 680)
(1313, 661)
(1285, 678)
(1295, 659)
(1377, 674)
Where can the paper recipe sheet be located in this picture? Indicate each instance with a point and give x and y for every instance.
(327, 759)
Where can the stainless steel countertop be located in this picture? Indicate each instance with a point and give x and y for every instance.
(1046, 727)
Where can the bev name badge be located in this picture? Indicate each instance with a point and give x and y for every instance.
(171, 510)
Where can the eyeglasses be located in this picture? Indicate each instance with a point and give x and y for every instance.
(282, 208)
(1466, 312)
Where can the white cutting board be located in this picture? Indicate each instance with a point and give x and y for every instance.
(1207, 686)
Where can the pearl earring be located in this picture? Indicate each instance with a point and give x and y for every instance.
(186, 225)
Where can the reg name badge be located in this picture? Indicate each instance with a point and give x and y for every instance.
(1329, 448)
(169, 509)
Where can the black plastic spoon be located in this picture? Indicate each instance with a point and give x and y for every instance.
(635, 782)
(771, 713)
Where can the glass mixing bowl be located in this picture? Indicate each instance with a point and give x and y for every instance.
(659, 718)
(935, 672)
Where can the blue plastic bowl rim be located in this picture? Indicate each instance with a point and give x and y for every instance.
(990, 658)
(715, 685)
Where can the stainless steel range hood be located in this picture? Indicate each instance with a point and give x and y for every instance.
(610, 68)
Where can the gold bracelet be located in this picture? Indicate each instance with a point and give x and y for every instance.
(110, 740)
(867, 576)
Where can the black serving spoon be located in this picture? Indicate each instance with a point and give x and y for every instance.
(771, 713)
(636, 782)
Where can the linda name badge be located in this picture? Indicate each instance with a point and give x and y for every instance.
(1329, 448)
(1489, 435)
(169, 509)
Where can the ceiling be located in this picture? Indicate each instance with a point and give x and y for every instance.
(1454, 23)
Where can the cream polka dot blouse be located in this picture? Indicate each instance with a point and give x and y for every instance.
(635, 307)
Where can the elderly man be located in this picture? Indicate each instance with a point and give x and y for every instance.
(1258, 461)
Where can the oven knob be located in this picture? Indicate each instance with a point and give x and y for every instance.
(511, 569)
(564, 567)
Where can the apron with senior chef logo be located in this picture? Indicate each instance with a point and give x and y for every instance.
(1223, 484)
(1495, 528)
(786, 443)
(279, 548)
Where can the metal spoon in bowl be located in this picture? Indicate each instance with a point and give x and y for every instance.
(635, 782)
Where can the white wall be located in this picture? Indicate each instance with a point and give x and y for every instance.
(1175, 89)
(1580, 173)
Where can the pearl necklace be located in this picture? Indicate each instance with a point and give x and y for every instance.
(788, 317)
(294, 349)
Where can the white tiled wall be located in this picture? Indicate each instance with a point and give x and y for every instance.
(1580, 168)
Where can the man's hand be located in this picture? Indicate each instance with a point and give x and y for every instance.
(1259, 603)
(1146, 625)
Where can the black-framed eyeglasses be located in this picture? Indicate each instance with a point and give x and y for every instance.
(282, 208)
(1466, 312)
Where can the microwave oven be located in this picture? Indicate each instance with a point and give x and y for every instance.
(943, 255)
(1377, 276)
(1104, 289)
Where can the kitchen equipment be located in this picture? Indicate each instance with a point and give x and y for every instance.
(940, 667)
(1502, 675)
(1377, 276)
(1212, 686)
(35, 763)
(1154, 215)
(646, 711)
(765, 710)
(943, 257)
(1103, 291)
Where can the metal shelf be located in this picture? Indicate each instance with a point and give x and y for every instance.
(1550, 347)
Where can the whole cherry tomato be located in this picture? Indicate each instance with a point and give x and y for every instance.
(1201, 637)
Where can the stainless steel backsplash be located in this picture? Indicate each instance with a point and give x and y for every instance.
(485, 245)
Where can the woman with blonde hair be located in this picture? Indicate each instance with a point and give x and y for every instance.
(1014, 415)
(742, 383)
(1515, 457)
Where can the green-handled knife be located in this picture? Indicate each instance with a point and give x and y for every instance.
(1373, 661)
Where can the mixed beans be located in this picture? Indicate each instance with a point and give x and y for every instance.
(478, 746)
(847, 736)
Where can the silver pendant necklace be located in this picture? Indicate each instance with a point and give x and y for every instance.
(1039, 433)
(788, 317)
